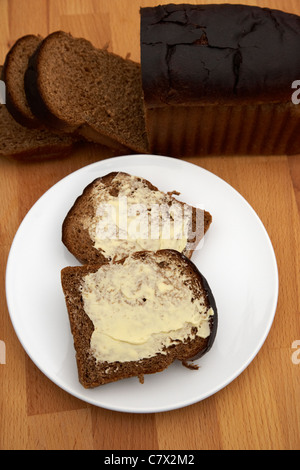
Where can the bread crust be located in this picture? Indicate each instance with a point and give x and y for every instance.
(7, 76)
(72, 227)
(49, 152)
(23, 144)
(92, 373)
(194, 55)
(77, 239)
(217, 79)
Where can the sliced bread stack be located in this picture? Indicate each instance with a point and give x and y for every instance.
(21, 143)
(64, 86)
(74, 87)
(137, 303)
(21, 135)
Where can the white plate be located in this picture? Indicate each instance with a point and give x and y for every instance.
(236, 258)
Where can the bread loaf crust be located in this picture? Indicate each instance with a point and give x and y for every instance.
(39, 152)
(92, 373)
(218, 54)
(23, 144)
(25, 119)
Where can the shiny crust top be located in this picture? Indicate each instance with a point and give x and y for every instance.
(212, 54)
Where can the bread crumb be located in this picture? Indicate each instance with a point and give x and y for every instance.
(141, 378)
(190, 365)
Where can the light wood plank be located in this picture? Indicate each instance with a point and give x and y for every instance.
(130, 431)
(61, 431)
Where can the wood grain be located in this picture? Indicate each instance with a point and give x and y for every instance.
(261, 408)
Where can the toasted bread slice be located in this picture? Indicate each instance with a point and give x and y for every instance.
(13, 72)
(72, 86)
(137, 315)
(141, 218)
(21, 143)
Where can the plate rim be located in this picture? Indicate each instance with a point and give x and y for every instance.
(155, 409)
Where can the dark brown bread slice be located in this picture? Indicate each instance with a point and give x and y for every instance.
(76, 232)
(93, 372)
(72, 86)
(21, 143)
(13, 72)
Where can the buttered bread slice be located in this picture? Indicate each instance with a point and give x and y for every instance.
(137, 315)
(119, 214)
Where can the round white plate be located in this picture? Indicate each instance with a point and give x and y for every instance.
(236, 258)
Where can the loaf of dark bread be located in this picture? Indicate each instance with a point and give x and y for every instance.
(218, 79)
(137, 315)
(73, 87)
(91, 240)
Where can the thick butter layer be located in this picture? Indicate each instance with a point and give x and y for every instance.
(137, 219)
(137, 311)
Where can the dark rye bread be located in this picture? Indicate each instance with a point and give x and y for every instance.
(215, 54)
(74, 87)
(75, 233)
(20, 143)
(93, 372)
(13, 72)
(217, 79)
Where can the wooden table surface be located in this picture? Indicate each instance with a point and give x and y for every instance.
(258, 410)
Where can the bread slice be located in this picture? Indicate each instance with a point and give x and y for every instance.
(72, 86)
(138, 315)
(20, 143)
(13, 72)
(141, 218)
